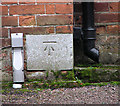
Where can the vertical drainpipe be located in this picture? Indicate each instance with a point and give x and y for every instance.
(89, 32)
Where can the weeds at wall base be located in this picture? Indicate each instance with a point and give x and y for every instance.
(89, 76)
(38, 86)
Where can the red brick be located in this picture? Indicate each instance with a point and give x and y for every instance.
(50, 8)
(9, 70)
(118, 29)
(55, 20)
(114, 6)
(43, 2)
(54, 1)
(64, 29)
(0, 32)
(33, 30)
(9, 1)
(6, 64)
(27, 9)
(112, 29)
(9, 21)
(106, 18)
(0, 43)
(64, 8)
(4, 32)
(100, 30)
(4, 10)
(0, 10)
(26, 1)
(101, 7)
(102, 1)
(5, 55)
(25, 66)
(27, 20)
(2, 55)
(64, 72)
(5, 42)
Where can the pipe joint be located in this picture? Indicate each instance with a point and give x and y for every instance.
(89, 31)
(93, 53)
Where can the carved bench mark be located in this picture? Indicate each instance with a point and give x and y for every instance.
(49, 48)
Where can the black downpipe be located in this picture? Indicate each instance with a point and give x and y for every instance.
(89, 32)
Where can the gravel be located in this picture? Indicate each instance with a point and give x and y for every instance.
(108, 94)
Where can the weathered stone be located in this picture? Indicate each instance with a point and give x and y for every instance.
(35, 75)
(0, 64)
(90, 74)
(0, 74)
(97, 74)
(108, 47)
(44, 75)
(6, 76)
(49, 52)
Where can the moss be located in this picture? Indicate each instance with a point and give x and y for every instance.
(2, 91)
(6, 85)
(99, 66)
(90, 65)
(47, 73)
(58, 84)
(115, 83)
(68, 76)
(39, 89)
(95, 74)
(66, 84)
(56, 73)
(32, 80)
(24, 90)
(91, 75)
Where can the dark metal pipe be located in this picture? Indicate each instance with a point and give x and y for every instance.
(89, 32)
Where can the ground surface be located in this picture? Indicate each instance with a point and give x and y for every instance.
(108, 94)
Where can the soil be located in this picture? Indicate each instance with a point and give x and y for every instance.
(108, 94)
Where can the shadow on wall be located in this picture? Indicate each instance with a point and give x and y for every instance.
(79, 57)
(108, 47)
(107, 42)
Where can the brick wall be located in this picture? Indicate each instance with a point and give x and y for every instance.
(32, 17)
(36, 17)
(107, 18)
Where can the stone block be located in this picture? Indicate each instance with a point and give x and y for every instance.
(49, 52)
